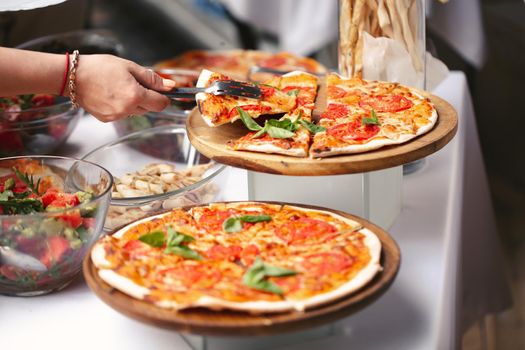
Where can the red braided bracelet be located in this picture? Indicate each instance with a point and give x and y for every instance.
(64, 79)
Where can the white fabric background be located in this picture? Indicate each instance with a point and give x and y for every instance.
(302, 26)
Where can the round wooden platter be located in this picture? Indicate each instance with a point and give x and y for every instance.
(229, 323)
(212, 143)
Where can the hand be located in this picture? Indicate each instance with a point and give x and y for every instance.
(111, 88)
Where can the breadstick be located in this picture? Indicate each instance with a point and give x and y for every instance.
(358, 50)
(402, 7)
(354, 30)
(374, 29)
(384, 19)
(345, 15)
(395, 20)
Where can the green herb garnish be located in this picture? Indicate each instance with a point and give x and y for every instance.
(28, 180)
(257, 276)
(372, 120)
(247, 120)
(173, 243)
(184, 252)
(155, 239)
(20, 205)
(234, 224)
(293, 92)
(279, 133)
(26, 101)
(314, 129)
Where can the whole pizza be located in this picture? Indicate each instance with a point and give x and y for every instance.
(360, 115)
(239, 63)
(248, 256)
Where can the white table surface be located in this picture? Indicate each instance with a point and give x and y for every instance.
(420, 311)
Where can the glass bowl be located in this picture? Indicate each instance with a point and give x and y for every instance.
(91, 41)
(161, 187)
(41, 252)
(37, 130)
(175, 114)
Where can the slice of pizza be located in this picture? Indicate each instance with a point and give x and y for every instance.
(290, 135)
(221, 109)
(366, 115)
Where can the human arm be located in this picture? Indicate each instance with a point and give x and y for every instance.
(107, 87)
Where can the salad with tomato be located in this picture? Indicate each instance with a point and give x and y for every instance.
(39, 219)
(33, 123)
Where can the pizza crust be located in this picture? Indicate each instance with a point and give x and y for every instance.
(123, 284)
(200, 97)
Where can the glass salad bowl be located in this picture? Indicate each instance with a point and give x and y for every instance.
(35, 124)
(172, 115)
(156, 169)
(52, 209)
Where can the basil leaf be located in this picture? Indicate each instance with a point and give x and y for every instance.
(293, 92)
(184, 252)
(232, 225)
(255, 218)
(260, 132)
(172, 237)
(286, 124)
(314, 129)
(279, 133)
(175, 238)
(276, 271)
(186, 238)
(266, 286)
(155, 239)
(247, 120)
(256, 276)
(372, 120)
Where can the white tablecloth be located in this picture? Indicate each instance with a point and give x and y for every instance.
(446, 211)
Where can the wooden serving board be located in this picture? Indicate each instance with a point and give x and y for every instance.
(212, 143)
(229, 323)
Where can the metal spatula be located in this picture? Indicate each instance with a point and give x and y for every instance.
(219, 87)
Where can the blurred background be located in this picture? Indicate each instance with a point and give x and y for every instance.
(490, 50)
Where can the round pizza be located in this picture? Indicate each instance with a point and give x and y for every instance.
(238, 63)
(247, 256)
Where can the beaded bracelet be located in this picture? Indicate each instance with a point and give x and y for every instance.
(72, 77)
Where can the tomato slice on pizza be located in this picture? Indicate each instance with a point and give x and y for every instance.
(385, 103)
